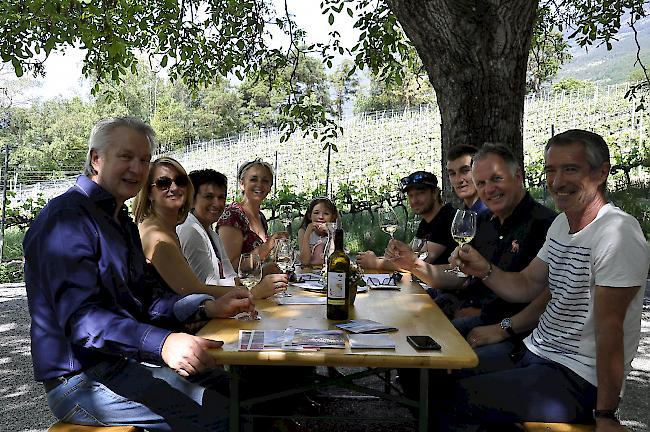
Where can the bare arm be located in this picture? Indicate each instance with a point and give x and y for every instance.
(610, 308)
(434, 250)
(265, 249)
(369, 261)
(301, 246)
(232, 239)
(522, 322)
(515, 287)
(165, 255)
(402, 257)
(303, 241)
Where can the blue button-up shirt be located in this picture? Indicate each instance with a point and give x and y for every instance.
(479, 207)
(89, 295)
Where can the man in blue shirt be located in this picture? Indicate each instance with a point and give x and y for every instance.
(96, 316)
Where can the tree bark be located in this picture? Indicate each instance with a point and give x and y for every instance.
(475, 53)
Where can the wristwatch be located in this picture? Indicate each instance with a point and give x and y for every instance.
(506, 324)
(608, 414)
(201, 312)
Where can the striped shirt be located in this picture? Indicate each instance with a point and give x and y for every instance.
(611, 251)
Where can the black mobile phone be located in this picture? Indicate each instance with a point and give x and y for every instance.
(423, 343)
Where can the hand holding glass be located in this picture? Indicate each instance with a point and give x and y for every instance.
(463, 230)
(250, 273)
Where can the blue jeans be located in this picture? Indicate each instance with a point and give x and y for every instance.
(410, 378)
(466, 324)
(500, 392)
(125, 392)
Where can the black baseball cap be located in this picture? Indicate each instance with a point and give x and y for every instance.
(419, 178)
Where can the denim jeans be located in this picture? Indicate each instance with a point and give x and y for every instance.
(499, 393)
(125, 392)
(466, 324)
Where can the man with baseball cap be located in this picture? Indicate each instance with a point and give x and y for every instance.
(423, 193)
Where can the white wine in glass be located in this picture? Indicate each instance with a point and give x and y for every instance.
(249, 272)
(388, 221)
(463, 230)
(285, 257)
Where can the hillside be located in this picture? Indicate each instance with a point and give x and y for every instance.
(609, 67)
(376, 149)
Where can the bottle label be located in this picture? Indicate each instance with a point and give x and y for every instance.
(335, 288)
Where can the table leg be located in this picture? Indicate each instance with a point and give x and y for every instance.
(387, 376)
(424, 400)
(234, 398)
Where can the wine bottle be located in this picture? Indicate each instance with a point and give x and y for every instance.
(338, 279)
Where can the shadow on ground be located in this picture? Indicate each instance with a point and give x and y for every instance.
(23, 406)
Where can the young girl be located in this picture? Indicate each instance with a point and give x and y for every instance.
(312, 234)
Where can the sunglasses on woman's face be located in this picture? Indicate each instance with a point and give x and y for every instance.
(164, 182)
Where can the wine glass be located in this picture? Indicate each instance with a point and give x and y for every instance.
(388, 221)
(414, 224)
(250, 273)
(463, 230)
(284, 213)
(329, 243)
(418, 245)
(285, 258)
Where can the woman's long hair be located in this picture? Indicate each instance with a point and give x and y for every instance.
(143, 206)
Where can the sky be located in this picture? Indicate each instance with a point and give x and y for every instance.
(63, 70)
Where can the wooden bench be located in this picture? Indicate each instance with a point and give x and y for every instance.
(67, 427)
(557, 427)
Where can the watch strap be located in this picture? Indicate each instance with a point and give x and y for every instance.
(608, 414)
(201, 312)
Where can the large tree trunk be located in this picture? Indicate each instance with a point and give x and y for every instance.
(475, 53)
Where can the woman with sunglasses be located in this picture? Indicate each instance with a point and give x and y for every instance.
(163, 203)
(242, 226)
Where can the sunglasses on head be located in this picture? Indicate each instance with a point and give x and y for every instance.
(165, 182)
(419, 177)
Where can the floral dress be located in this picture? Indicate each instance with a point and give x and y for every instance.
(234, 216)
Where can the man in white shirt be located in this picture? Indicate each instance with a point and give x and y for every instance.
(594, 261)
(200, 244)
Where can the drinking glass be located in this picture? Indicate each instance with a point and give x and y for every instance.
(463, 230)
(329, 244)
(414, 224)
(285, 258)
(388, 221)
(250, 273)
(418, 245)
(285, 215)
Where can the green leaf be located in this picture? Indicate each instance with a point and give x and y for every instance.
(330, 19)
(350, 12)
(163, 61)
(18, 68)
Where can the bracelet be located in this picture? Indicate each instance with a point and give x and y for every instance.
(489, 272)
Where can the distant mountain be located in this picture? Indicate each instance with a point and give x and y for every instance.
(609, 67)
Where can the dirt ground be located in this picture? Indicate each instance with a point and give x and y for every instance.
(23, 406)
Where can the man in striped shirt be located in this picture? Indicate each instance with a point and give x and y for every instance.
(594, 261)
